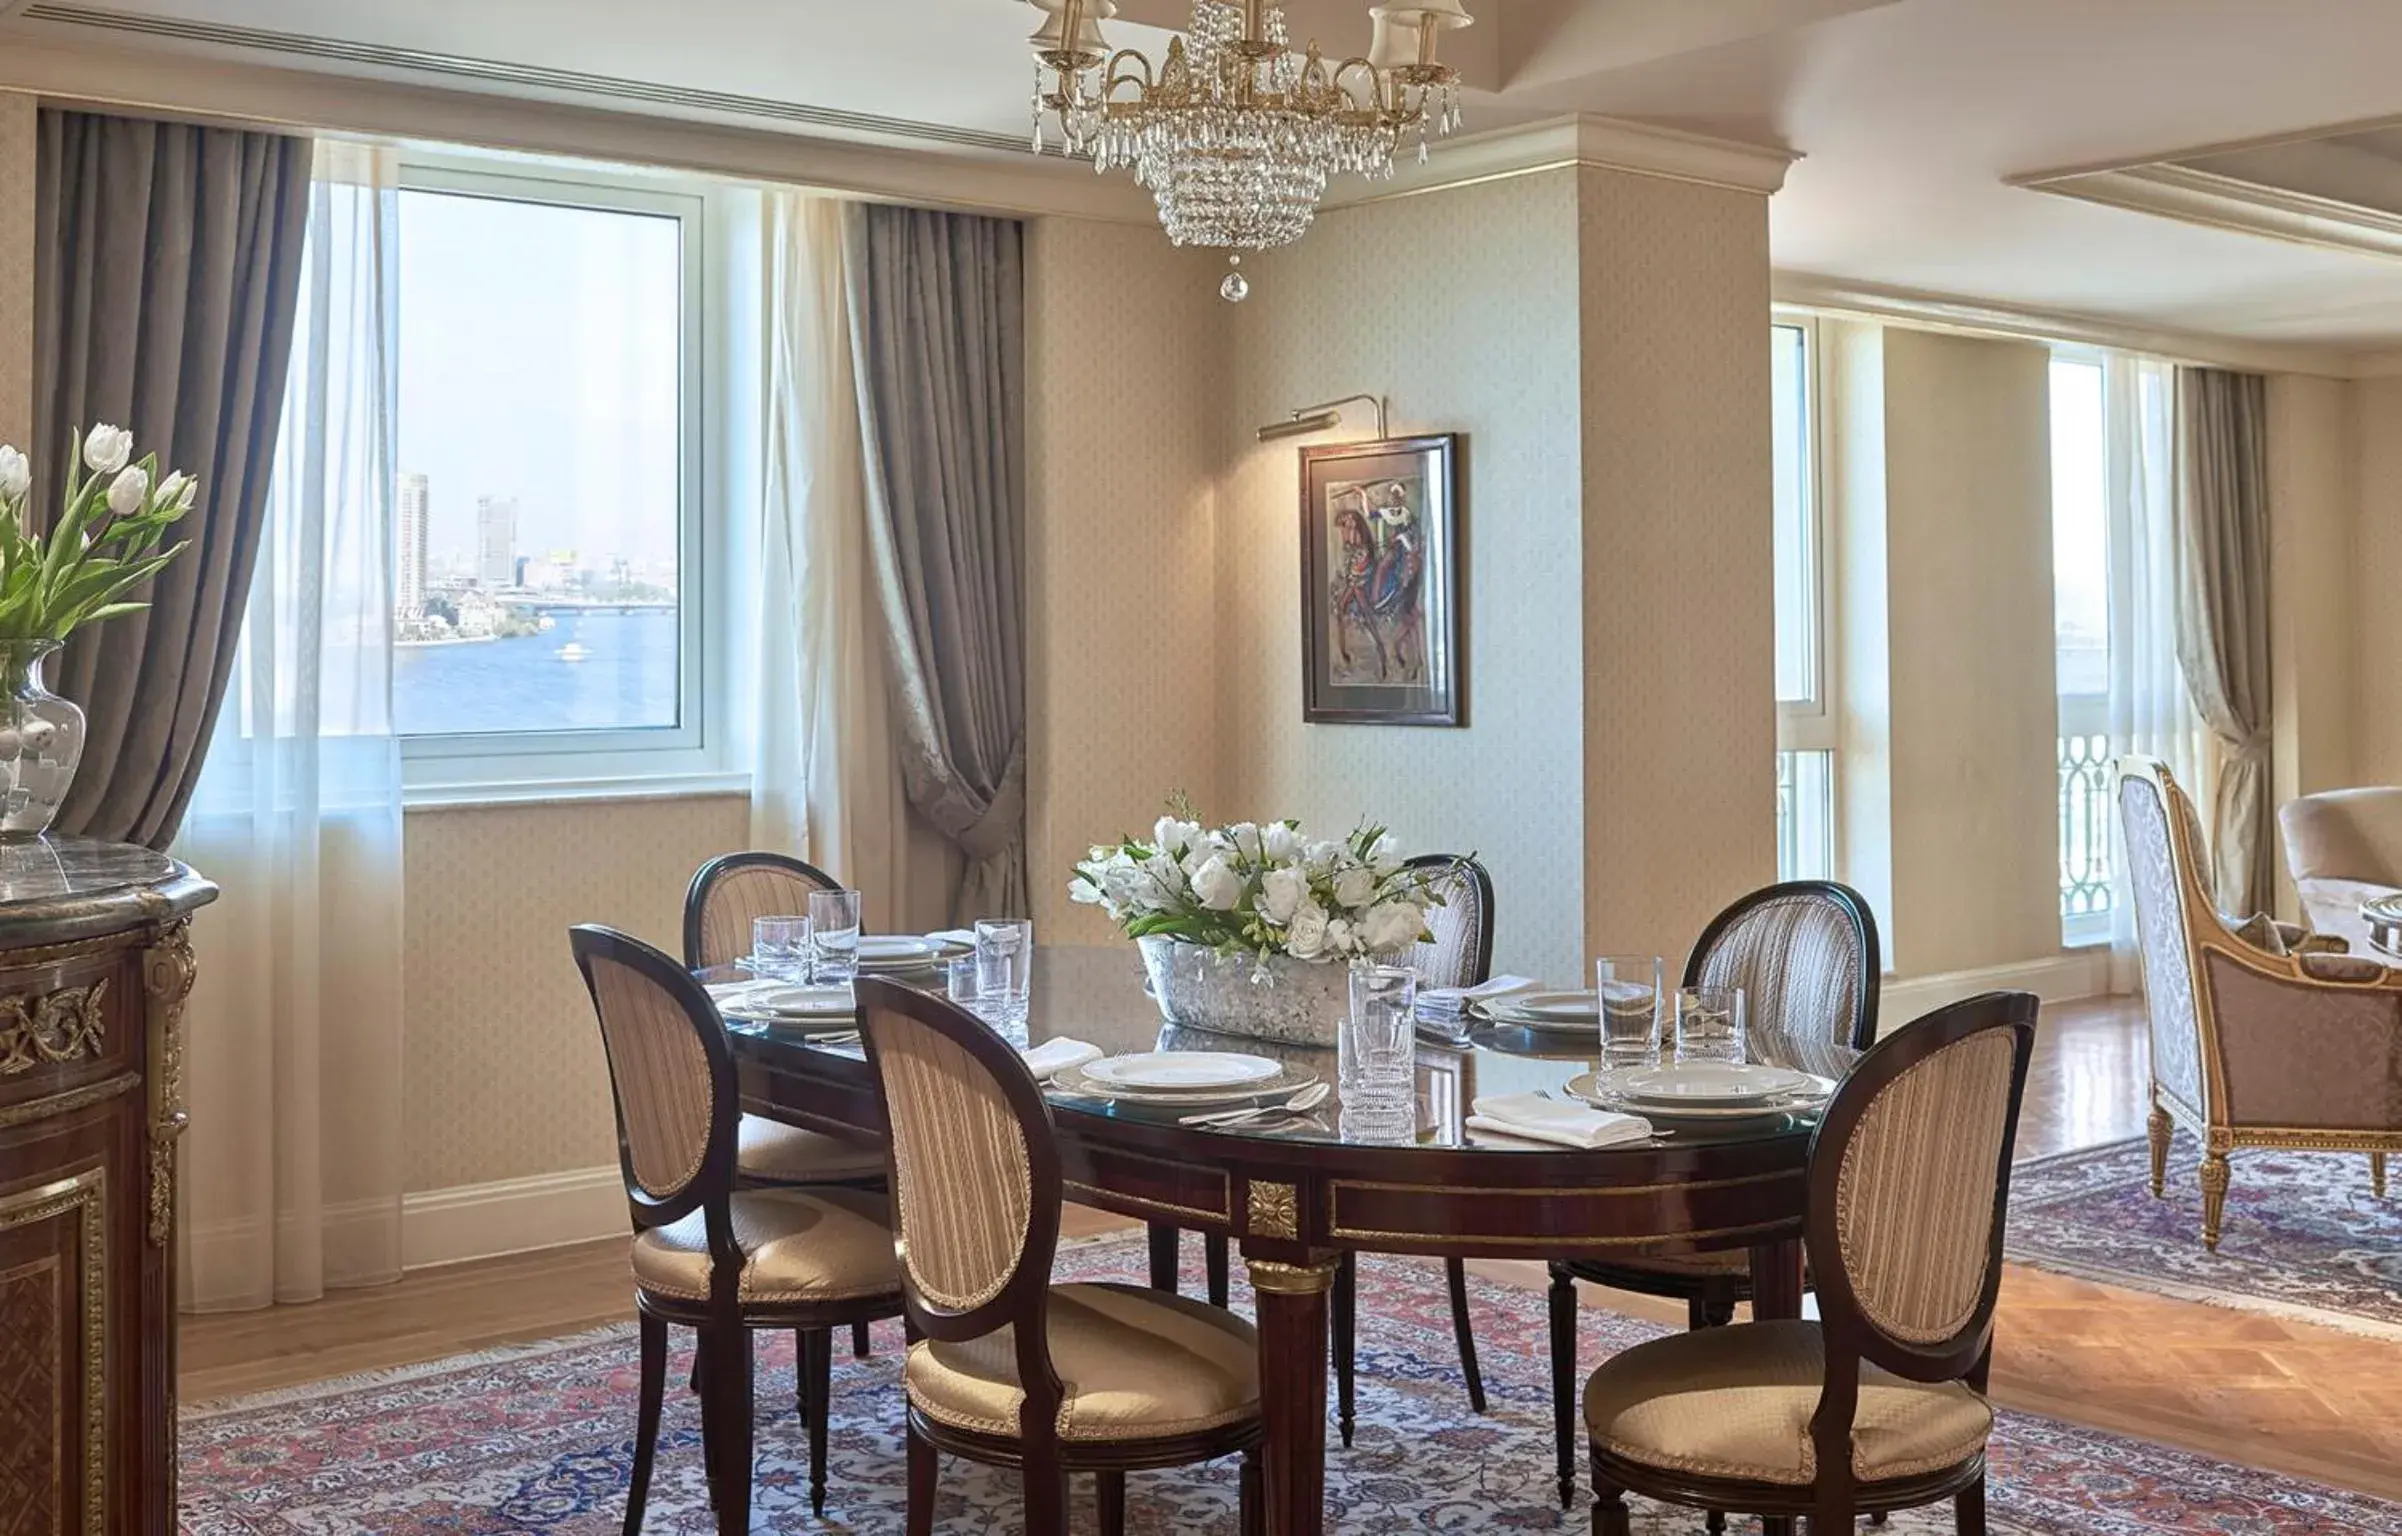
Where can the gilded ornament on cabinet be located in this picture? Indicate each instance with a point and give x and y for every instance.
(1275, 1210)
(41, 1029)
(167, 971)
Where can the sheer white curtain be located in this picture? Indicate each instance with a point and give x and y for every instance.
(2150, 711)
(825, 774)
(293, 1165)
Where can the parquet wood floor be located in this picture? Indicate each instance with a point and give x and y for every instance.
(2306, 1401)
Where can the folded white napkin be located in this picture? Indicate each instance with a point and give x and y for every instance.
(1053, 1057)
(1451, 999)
(1535, 1117)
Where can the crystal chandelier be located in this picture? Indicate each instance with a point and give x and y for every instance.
(1236, 132)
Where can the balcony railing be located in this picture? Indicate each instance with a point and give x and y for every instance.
(2086, 870)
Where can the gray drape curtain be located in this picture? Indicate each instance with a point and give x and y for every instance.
(166, 275)
(937, 304)
(2222, 523)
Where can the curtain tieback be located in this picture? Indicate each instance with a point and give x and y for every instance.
(1003, 823)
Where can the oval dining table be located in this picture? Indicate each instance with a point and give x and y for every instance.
(1296, 1194)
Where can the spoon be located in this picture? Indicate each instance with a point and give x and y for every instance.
(1308, 1098)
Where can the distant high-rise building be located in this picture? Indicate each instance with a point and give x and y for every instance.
(496, 540)
(408, 586)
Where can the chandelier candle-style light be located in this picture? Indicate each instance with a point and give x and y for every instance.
(1236, 132)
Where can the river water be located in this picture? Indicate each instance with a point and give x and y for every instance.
(626, 678)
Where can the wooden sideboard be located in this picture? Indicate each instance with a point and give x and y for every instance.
(95, 966)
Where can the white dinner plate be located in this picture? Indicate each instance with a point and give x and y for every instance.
(1076, 1082)
(886, 948)
(1601, 1090)
(789, 1001)
(1712, 1082)
(1553, 1007)
(1182, 1071)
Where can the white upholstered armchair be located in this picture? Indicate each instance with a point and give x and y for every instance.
(2343, 846)
(2250, 1046)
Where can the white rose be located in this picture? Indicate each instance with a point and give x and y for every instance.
(1338, 936)
(1281, 892)
(106, 449)
(1355, 887)
(1392, 925)
(1173, 836)
(1217, 887)
(1305, 938)
(1196, 856)
(1125, 885)
(1246, 839)
(16, 476)
(1321, 856)
(129, 492)
(1165, 875)
(1281, 844)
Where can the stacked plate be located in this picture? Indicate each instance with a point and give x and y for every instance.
(882, 954)
(1183, 1079)
(790, 1005)
(1704, 1092)
(1577, 1013)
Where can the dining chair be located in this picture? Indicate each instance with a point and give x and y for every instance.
(708, 1255)
(727, 893)
(1879, 1405)
(1006, 1367)
(2258, 1039)
(1805, 953)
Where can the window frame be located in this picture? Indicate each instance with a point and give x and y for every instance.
(1810, 725)
(689, 756)
(2080, 714)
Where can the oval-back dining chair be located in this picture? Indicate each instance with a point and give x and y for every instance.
(708, 1255)
(1012, 1369)
(1879, 1405)
(1805, 953)
(725, 895)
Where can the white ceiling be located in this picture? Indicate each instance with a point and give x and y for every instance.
(1912, 115)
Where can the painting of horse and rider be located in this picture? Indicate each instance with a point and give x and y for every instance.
(1380, 611)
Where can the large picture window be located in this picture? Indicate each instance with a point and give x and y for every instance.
(546, 520)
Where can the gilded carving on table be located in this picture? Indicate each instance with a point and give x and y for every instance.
(86, 1197)
(40, 1029)
(1275, 1210)
(167, 971)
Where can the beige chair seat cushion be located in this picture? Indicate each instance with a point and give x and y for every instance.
(1136, 1365)
(798, 1246)
(772, 1152)
(1736, 1403)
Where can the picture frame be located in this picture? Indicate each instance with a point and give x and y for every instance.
(1381, 618)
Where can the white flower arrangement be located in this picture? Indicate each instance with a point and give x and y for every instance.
(1268, 890)
(104, 544)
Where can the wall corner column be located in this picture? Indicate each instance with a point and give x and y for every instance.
(18, 140)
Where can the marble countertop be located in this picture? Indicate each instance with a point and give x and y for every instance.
(56, 890)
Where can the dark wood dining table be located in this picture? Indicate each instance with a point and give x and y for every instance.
(1298, 1193)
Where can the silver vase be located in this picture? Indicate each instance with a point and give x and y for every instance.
(41, 742)
(1277, 999)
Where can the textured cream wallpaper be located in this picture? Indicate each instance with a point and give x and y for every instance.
(1679, 751)
(2377, 574)
(1461, 306)
(17, 145)
(1974, 707)
(504, 1071)
(2312, 497)
(1126, 371)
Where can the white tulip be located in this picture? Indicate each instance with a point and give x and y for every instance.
(1386, 854)
(1084, 891)
(129, 492)
(1217, 887)
(188, 495)
(106, 449)
(1305, 938)
(174, 488)
(1281, 892)
(1355, 887)
(1246, 839)
(1280, 843)
(16, 476)
(1392, 925)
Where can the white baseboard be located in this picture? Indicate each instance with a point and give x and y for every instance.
(2055, 978)
(485, 1221)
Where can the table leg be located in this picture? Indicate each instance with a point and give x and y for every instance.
(1292, 1370)
(1776, 1296)
(1164, 1256)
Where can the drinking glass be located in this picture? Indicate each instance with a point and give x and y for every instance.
(1627, 987)
(1710, 1024)
(960, 981)
(1376, 1063)
(780, 947)
(1004, 966)
(834, 935)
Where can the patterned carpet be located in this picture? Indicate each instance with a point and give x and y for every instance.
(537, 1440)
(2303, 1236)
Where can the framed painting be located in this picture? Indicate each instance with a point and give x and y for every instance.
(1380, 582)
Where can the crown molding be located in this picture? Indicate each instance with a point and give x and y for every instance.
(158, 81)
(1984, 317)
(1560, 143)
(2215, 201)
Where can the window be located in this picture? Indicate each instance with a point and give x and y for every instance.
(2081, 640)
(546, 581)
(1805, 717)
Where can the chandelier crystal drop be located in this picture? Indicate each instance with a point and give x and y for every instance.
(1235, 131)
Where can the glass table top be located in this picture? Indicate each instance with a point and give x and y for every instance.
(1097, 995)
